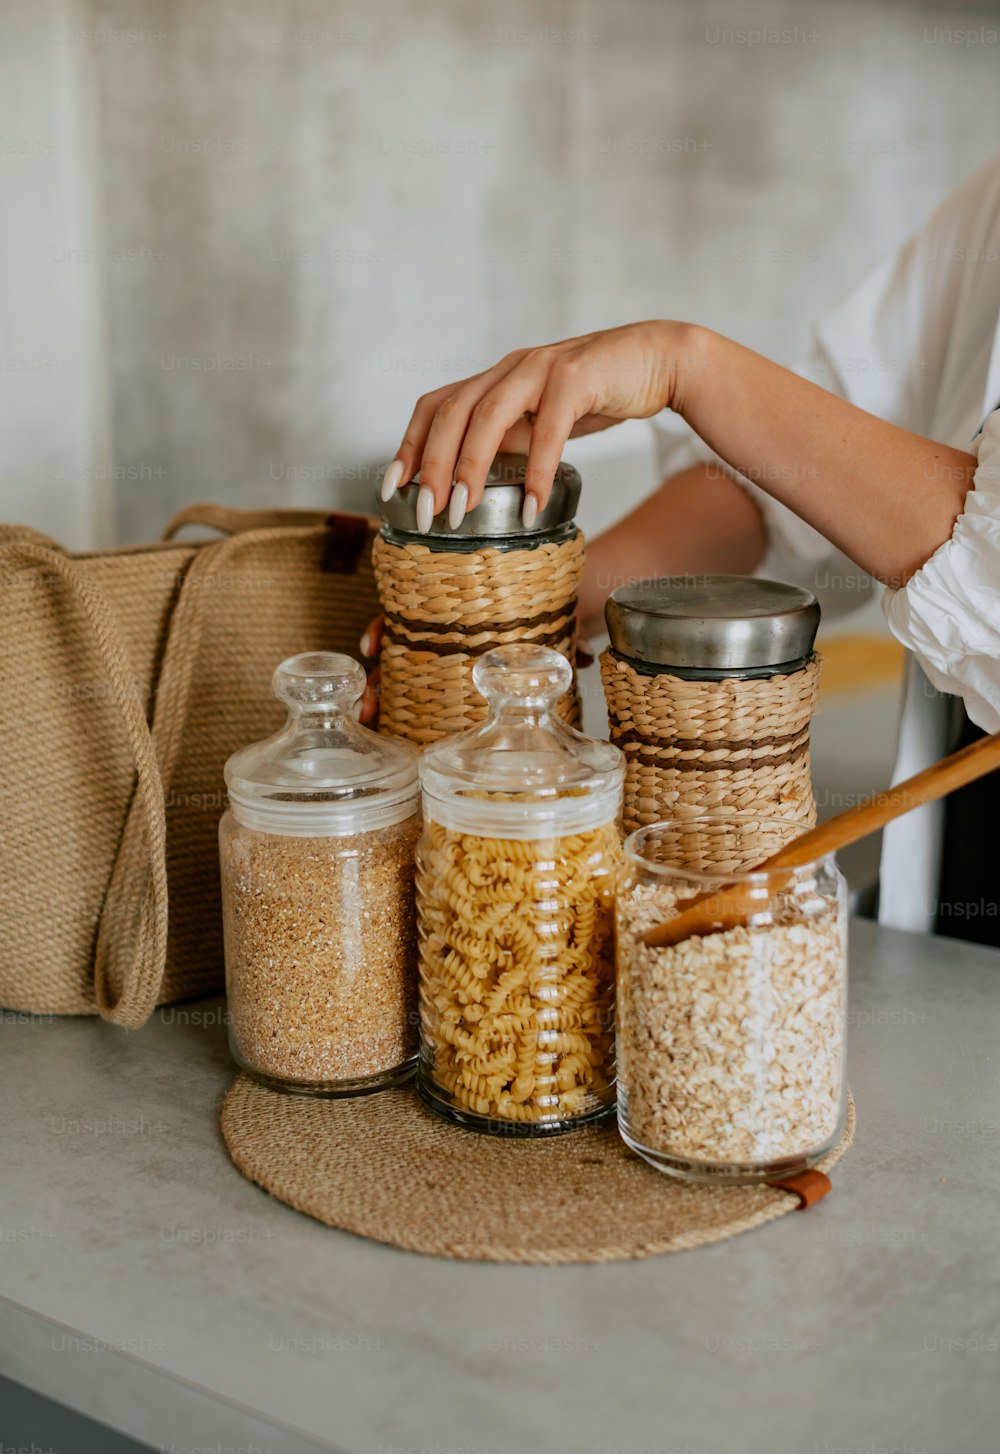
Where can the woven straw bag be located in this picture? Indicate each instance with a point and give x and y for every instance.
(129, 677)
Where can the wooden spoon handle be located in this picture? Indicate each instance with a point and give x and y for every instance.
(873, 813)
(729, 905)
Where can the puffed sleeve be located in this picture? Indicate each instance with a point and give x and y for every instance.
(948, 613)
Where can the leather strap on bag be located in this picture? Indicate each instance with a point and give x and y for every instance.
(144, 970)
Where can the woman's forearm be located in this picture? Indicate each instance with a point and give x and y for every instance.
(887, 498)
(698, 521)
(884, 496)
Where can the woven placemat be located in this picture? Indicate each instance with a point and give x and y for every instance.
(386, 1167)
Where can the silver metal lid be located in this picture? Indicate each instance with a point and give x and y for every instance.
(499, 511)
(713, 623)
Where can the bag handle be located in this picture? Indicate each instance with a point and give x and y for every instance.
(232, 522)
(134, 868)
(145, 968)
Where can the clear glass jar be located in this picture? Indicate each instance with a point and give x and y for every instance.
(731, 1046)
(516, 875)
(317, 853)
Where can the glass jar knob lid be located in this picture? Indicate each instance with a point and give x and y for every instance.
(322, 772)
(523, 772)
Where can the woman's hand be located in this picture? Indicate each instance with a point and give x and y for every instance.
(884, 496)
(532, 402)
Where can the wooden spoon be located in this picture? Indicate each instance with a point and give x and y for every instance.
(725, 908)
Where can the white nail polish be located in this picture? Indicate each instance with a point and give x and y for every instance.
(425, 508)
(366, 645)
(530, 512)
(391, 479)
(458, 505)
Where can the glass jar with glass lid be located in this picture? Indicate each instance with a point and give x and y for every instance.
(516, 875)
(317, 854)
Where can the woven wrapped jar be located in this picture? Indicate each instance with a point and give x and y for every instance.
(449, 596)
(711, 683)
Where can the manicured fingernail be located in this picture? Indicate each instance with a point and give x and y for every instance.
(530, 512)
(391, 479)
(425, 508)
(458, 505)
(366, 645)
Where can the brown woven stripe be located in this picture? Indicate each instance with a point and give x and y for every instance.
(474, 628)
(622, 736)
(559, 638)
(731, 764)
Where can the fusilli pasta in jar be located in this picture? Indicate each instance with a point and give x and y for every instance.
(516, 876)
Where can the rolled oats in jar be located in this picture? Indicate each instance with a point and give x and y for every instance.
(731, 1045)
(317, 855)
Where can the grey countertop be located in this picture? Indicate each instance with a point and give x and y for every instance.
(145, 1283)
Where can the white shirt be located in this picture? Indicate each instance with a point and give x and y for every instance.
(918, 344)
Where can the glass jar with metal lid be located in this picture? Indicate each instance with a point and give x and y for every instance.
(517, 871)
(317, 853)
(449, 596)
(711, 683)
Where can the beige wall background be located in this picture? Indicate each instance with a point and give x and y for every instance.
(241, 236)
